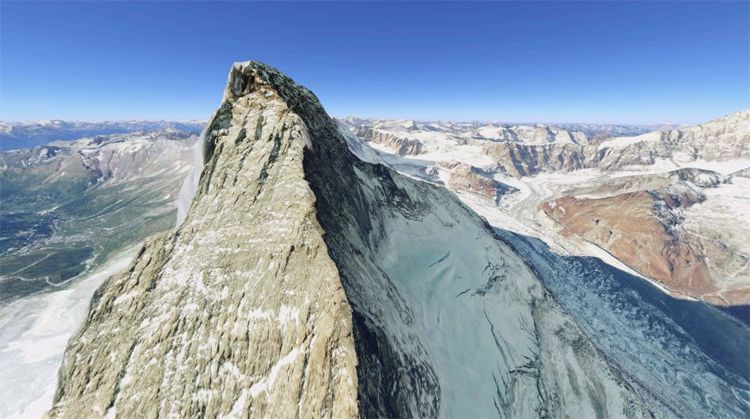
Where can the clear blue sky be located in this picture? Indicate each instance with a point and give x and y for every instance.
(630, 62)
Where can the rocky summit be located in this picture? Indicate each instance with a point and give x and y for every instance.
(305, 282)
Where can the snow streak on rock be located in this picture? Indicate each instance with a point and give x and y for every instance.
(190, 184)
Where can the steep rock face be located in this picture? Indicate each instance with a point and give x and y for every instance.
(305, 282)
(403, 146)
(241, 310)
(519, 160)
(464, 177)
(418, 267)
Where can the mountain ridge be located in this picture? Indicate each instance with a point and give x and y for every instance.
(19, 135)
(281, 192)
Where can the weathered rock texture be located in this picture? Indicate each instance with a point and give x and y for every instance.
(241, 310)
(517, 159)
(307, 283)
(403, 146)
(464, 177)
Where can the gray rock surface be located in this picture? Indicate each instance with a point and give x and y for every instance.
(238, 312)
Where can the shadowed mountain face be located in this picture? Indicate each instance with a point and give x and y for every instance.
(676, 349)
(305, 282)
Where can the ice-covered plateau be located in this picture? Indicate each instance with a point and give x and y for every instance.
(305, 282)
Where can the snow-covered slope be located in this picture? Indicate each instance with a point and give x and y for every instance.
(34, 332)
(723, 139)
(677, 351)
(528, 134)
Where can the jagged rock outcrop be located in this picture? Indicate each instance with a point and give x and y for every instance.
(517, 159)
(306, 283)
(240, 311)
(464, 177)
(403, 146)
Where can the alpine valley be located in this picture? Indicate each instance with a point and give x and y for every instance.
(287, 264)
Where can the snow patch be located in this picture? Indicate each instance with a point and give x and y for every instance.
(190, 184)
(266, 384)
(34, 332)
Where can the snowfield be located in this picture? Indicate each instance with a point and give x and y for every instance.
(34, 332)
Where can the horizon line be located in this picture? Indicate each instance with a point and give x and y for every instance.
(371, 118)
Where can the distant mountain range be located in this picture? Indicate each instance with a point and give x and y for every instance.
(73, 203)
(26, 134)
(497, 130)
(14, 135)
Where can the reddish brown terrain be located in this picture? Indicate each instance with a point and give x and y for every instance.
(645, 230)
